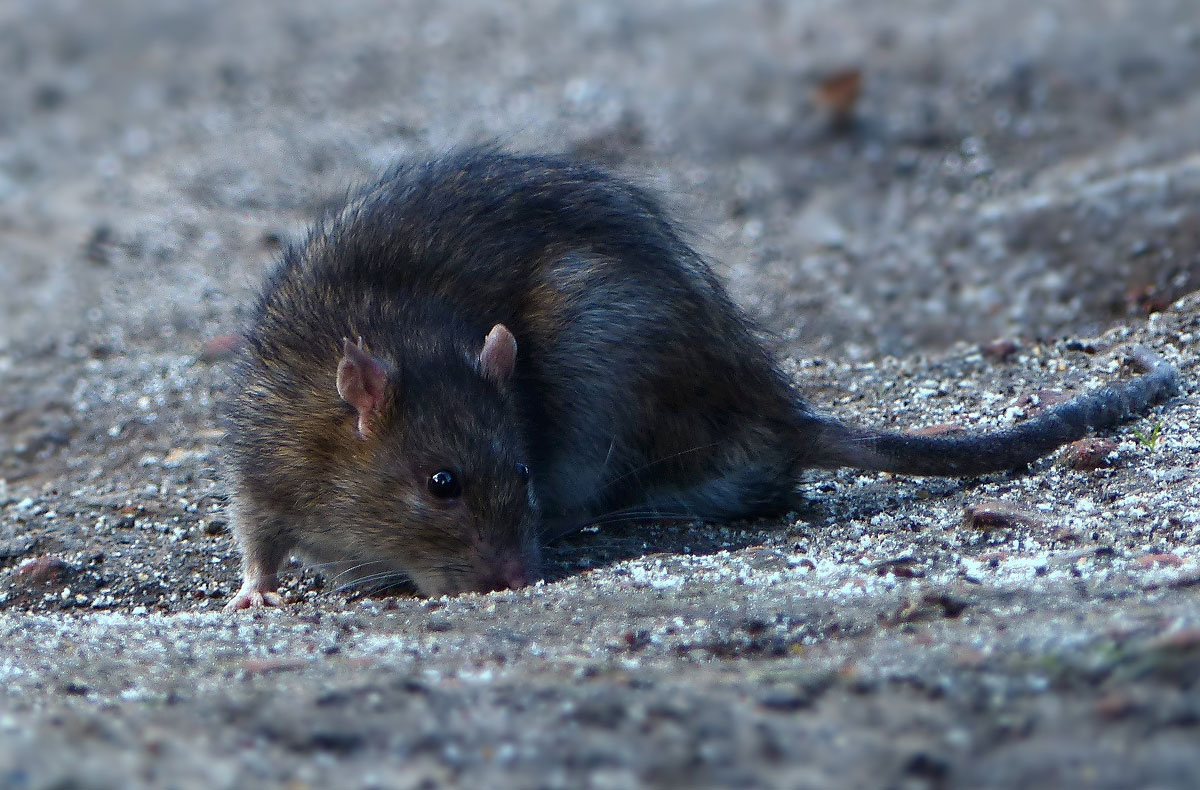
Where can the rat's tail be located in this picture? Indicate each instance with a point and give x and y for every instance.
(838, 445)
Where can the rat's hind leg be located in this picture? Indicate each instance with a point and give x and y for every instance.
(265, 542)
(750, 491)
(742, 492)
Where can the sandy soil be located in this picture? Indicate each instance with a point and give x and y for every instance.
(1028, 171)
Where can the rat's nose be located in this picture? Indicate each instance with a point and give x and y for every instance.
(512, 579)
(516, 580)
(505, 574)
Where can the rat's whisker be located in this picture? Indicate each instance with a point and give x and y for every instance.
(367, 585)
(651, 464)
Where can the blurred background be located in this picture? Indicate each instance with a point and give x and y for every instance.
(873, 177)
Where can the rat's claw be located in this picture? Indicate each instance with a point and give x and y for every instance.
(251, 596)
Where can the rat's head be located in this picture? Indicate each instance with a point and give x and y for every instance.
(437, 488)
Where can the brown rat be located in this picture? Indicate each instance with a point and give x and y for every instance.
(486, 349)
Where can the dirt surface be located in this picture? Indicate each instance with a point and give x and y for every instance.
(1028, 171)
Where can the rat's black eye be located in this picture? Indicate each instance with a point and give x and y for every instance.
(523, 472)
(444, 484)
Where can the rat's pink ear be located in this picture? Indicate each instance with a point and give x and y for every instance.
(361, 381)
(499, 354)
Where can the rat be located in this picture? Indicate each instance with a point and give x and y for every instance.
(486, 350)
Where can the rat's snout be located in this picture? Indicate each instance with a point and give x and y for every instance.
(507, 573)
(504, 568)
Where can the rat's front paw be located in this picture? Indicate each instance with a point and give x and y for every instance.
(253, 596)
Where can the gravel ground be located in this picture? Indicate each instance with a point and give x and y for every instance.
(1028, 171)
